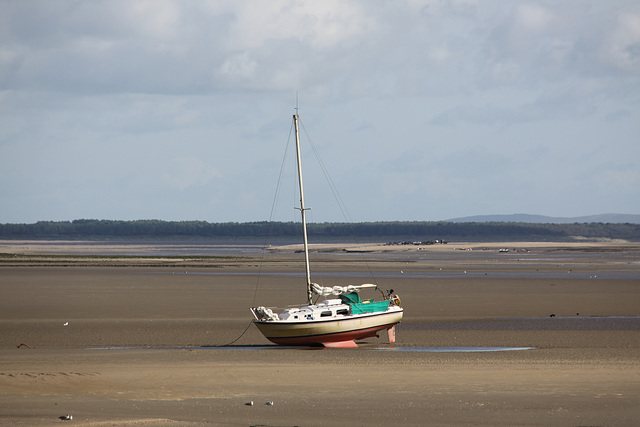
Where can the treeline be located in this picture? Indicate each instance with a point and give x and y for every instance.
(471, 231)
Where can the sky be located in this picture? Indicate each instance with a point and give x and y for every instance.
(420, 110)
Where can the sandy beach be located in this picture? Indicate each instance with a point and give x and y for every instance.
(544, 334)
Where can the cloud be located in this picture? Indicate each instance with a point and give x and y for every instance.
(188, 171)
(622, 44)
(552, 104)
(321, 25)
(172, 47)
(169, 98)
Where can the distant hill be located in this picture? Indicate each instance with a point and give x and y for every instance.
(610, 218)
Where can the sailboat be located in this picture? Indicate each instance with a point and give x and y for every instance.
(336, 321)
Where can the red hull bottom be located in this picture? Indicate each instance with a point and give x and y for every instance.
(337, 340)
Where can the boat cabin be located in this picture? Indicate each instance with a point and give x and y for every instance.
(344, 306)
(327, 308)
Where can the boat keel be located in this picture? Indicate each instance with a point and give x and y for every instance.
(341, 344)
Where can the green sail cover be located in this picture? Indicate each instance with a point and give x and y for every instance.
(359, 307)
(371, 307)
(352, 298)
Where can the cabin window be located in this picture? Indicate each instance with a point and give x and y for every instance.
(326, 314)
(343, 311)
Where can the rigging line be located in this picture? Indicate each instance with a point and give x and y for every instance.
(336, 195)
(327, 176)
(271, 214)
(268, 234)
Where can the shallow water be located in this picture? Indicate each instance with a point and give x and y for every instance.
(608, 275)
(277, 347)
(454, 349)
(585, 323)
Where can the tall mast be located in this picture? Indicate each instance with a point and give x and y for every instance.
(302, 211)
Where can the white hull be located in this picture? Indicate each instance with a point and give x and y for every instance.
(329, 331)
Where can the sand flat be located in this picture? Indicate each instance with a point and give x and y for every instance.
(143, 345)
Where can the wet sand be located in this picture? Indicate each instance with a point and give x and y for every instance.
(145, 340)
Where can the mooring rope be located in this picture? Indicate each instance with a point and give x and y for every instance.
(268, 235)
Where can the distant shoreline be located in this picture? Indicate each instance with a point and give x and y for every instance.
(279, 232)
(188, 247)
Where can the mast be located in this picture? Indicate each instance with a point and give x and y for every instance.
(302, 211)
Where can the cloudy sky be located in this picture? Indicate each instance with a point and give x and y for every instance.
(419, 109)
